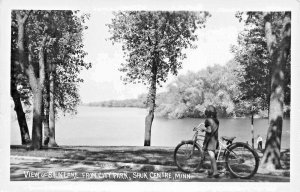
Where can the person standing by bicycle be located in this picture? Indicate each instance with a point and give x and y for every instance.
(211, 137)
(259, 142)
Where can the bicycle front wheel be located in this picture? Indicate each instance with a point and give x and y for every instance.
(241, 160)
(188, 156)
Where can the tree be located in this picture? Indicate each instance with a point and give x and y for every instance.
(255, 63)
(25, 137)
(18, 80)
(153, 44)
(270, 42)
(34, 69)
(279, 49)
(67, 63)
(189, 94)
(252, 55)
(37, 43)
(46, 110)
(65, 60)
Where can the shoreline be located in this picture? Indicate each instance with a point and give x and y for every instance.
(134, 107)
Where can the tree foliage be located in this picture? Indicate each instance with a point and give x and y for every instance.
(143, 33)
(140, 102)
(189, 94)
(256, 64)
(252, 54)
(65, 50)
(68, 58)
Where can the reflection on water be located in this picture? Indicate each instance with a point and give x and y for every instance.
(125, 126)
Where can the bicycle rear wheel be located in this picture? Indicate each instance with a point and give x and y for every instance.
(241, 160)
(188, 156)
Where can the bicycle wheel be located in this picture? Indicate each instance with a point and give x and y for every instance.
(188, 157)
(241, 160)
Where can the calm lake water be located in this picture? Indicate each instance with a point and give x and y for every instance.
(125, 126)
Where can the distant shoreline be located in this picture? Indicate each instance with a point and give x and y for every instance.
(243, 117)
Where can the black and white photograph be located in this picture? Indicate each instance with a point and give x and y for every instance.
(176, 93)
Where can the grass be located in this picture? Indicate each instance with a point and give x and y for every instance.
(137, 155)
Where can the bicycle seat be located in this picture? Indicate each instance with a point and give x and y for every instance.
(228, 139)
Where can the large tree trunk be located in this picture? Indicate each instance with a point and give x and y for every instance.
(46, 110)
(37, 119)
(52, 141)
(37, 85)
(25, 138)
(36, 82)
(151, 102)
(46, 100)
(271, 158)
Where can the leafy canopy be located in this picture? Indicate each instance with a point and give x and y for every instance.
(252, 55)
(63, 30)
(189, 94)
(154, 37)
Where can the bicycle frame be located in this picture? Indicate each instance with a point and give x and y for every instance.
(222, 144)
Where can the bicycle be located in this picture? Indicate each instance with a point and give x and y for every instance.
(240, 159)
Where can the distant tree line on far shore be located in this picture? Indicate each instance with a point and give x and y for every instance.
(138, 103)
(189, 94)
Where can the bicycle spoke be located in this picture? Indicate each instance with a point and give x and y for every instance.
(241, 162)
(188, 157)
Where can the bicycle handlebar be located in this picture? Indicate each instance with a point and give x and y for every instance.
(198, 127)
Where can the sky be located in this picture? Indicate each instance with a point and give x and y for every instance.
(102, 82)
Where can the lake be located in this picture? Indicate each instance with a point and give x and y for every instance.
(126, 126)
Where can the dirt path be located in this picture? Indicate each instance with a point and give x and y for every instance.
(109, 164)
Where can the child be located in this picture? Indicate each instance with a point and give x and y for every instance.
(211, 137)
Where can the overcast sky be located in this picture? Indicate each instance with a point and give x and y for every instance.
(102, 81)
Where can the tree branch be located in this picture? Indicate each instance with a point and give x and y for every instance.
(22, 53)
(26, 16)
